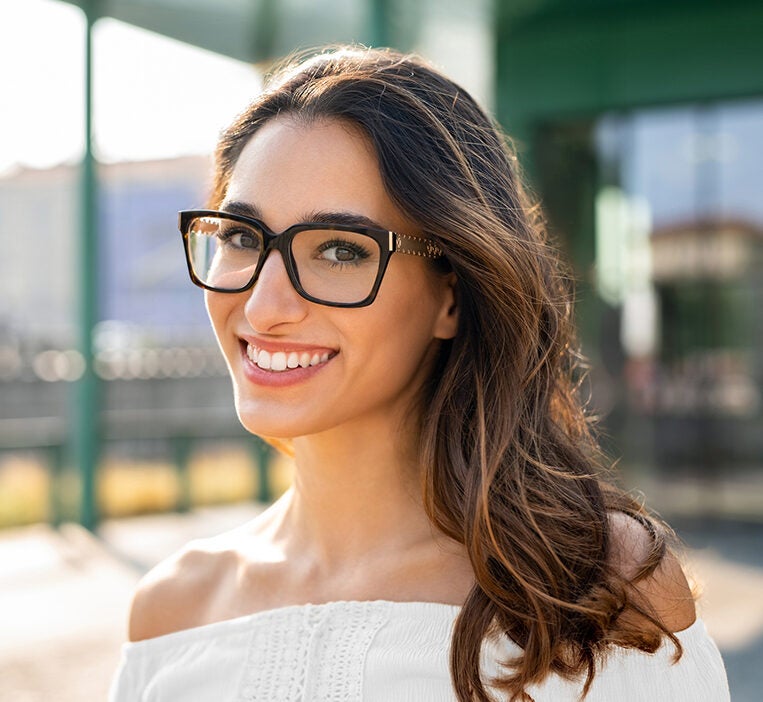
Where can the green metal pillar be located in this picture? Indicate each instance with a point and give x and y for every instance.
(264, 19)
(85, 415)
(182, 454)
(380, 29)
(262, 452)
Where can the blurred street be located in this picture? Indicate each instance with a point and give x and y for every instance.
(64, 597)
(727, 563)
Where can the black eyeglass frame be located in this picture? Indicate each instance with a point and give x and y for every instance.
(389, 242)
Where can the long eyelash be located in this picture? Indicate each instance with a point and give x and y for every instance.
(355, 248)
(228, 233)
(232, 231)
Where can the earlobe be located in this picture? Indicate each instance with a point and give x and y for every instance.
(447, 321)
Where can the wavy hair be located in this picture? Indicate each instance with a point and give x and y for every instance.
(510, 467)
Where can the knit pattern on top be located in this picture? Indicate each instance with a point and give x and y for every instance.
(315, 652)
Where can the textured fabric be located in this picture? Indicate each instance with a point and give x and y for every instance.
(377, 651)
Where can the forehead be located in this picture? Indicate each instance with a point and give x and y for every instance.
(290, 168)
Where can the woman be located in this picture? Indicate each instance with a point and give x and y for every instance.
(391, 314)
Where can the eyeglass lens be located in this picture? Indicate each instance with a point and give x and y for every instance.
(331, 265)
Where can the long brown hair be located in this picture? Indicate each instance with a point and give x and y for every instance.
(511, 469)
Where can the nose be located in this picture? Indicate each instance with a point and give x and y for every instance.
(273, 300)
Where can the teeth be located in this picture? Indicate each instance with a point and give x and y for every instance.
(263, 359)
(281, 360)
(278, 361)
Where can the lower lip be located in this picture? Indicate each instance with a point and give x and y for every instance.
(278, 379)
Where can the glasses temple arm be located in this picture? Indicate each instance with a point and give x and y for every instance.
(417, 246)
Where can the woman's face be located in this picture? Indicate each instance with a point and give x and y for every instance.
(369, 362)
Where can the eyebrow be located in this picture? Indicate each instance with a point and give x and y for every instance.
(342, 217)
(352, 219)
(241, 208)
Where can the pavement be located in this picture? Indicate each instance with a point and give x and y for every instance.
(65, 593)
(64, 596)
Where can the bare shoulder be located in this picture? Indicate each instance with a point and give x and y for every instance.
(666, 591)
(176, 593)
(198, 584)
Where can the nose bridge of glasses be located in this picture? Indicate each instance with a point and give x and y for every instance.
(280, 243)
(272, 268)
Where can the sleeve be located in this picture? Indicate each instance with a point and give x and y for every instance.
(632, 676)
(126, 684)
(628, 675)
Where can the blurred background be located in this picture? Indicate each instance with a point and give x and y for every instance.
(639, 125)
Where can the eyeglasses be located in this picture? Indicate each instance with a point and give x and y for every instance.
(339, 265)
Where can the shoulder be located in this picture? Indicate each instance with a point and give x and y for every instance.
(665, 591)
(176, 593)
(199, 583)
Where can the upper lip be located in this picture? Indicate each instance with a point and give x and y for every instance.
(284, 346)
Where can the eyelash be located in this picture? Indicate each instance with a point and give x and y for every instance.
(359, 251)
(226, 235)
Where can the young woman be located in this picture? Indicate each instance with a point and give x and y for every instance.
(392, 315)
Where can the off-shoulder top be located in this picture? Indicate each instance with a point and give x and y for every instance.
(379, 651)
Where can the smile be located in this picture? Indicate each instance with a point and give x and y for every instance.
(280, 361)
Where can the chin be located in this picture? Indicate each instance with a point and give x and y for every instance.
(255, 424)
(276, 423)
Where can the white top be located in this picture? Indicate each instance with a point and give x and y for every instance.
(377, 651)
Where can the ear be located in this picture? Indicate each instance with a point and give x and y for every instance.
(446, 324)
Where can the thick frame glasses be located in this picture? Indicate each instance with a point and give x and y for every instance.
(340, 265)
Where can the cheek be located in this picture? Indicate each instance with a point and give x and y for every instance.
(399, 342)
(213, 308)
(219, 309)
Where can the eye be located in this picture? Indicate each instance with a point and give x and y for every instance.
(239, 238)
(342, 252)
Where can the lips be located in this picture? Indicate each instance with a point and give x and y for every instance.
(286, 360)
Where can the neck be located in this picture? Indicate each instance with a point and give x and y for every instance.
(355, 498)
